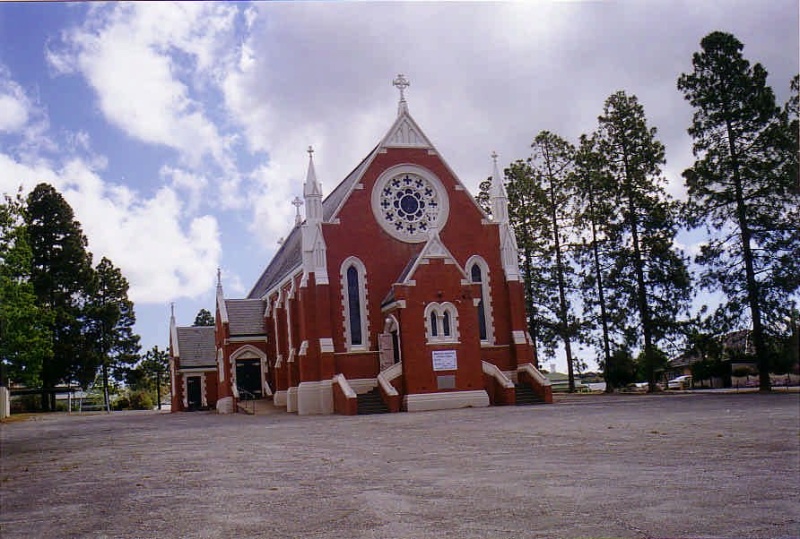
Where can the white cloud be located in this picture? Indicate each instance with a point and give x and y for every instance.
(163, 253)
(147, 64)
(13, 114)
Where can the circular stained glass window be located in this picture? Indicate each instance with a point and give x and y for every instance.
(408, 201)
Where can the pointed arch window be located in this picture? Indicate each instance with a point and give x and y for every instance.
(441, 322)
(479, 273)
(354, 306)
(353, 276)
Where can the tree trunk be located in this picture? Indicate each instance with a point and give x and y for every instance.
(158, 388)
(641, 290)
(105, 388)
(600, 295)
(563, 314)
(750, 275)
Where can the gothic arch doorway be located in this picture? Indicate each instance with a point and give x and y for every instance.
(248, 376)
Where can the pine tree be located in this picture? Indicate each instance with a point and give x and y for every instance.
(24, 327)
(61, 275)
(109, 326)
(154, 368)
(743, 187)
(551, 197)
(204, 318)
(519, 188)
(592, 214)
(649, 277)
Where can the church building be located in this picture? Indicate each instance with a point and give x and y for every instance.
(396, 292)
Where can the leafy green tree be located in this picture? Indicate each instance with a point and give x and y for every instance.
(622, 370)
(649, 284)
(61, 275)
(24, 327)
(204, 318)
(109, 325)
(484, 198)
(155, 371)
(743, 187)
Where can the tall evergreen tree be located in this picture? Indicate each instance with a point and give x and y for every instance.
(594, 211)
(154, 369)
(743, 188)
(61, 274)
(649, 278)
(551, 197)
(24, 327)
(109, 326)
(520, 188)
(204, 318)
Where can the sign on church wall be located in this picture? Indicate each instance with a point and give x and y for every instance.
(444, 360)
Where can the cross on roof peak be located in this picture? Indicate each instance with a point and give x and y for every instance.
(494, 157)
(310, 151)
(401, 83)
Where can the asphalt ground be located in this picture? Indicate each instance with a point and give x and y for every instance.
(687, 465)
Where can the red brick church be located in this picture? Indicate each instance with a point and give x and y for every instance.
(396, 292)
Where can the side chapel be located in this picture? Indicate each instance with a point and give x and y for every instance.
(395, 291)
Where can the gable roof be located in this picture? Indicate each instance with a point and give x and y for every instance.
(290, 255)
(434, 248)
(197, 346)
(245, 316)
(404, 133)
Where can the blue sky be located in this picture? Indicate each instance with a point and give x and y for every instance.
(178, 132)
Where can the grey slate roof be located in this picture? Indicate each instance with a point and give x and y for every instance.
(246, 316)
(290, 255)
(197, 347)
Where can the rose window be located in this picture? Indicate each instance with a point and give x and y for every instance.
(408, 205)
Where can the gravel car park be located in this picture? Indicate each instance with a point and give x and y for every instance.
(666, 465)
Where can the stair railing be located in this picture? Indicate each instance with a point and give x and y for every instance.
(247, 397)
(541, 385)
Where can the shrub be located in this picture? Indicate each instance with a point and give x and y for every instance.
(141, 400)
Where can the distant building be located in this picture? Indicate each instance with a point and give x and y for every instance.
(396, 284)
(737, 351)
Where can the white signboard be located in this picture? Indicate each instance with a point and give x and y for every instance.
(444, 360)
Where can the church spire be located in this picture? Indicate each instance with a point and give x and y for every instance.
(312, 186)
(313, 242)
(498, 195)
(508, 241)
(401, 83)
(312, 192)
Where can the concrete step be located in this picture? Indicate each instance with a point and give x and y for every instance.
(371, 403)
(526, 396)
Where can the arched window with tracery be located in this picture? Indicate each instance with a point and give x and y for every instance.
(354, 303)
(479, 273)
(441, 322)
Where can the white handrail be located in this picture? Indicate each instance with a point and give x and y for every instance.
(492, 370)
(385, 378)
(534, 373)
(345, 385)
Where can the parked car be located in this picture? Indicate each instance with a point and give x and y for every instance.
(681, 382)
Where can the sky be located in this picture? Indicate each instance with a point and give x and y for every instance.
(178, 131)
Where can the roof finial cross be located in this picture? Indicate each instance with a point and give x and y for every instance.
(219, 276)
(297, 202)
(401, 82)
(494, 157)
(310, 151)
